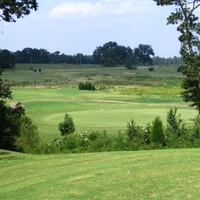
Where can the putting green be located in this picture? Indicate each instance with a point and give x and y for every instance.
(110, 119)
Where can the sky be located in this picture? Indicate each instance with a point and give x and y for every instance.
(80, 26)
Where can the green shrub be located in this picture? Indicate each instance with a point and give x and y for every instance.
(175, 128)
(151, 69)
(133, 130)
(157, 132)
(101, 143)
(70, 142)
(29, 140)
(119, 142)
(81, 86)
(86, 86)
(67, 127)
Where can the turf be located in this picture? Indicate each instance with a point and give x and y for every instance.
(94, 111)
(164, 174)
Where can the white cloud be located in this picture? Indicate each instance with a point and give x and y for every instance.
(101, 7)
(74, 8)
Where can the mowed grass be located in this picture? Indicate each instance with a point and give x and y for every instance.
(163, 174)
(94, 110)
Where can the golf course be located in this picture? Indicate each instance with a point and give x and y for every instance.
(138, 94)
(121, 96)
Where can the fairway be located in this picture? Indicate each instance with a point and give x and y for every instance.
(163, 174)
(94, 111)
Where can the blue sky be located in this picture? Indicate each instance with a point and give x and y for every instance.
(79, 26)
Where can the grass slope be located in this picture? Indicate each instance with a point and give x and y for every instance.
(164, 174)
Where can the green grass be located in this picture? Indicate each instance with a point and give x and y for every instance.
(138, 94)
(164, 174)
(94, 110)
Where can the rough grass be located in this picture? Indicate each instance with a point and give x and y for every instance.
(164, 174)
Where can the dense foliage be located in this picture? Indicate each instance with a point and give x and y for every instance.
(112, 54)
(42, 56)
(189, 28)
(7, 59)
(9, 118)
(86, 86)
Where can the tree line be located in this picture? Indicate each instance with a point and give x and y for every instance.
(110, 54)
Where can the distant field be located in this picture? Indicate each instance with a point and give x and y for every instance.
(63, 74)
(139, 94)
(163, 174)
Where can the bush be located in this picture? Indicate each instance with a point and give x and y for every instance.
(151, 69)
(119, 142)
(81, 86)
(70, 142)
(157, 132)
(29, 140)
(133, 130)
(175, 128)
(86, 86)
(67, 127)
(101, 143)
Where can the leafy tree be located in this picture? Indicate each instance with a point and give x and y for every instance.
(111, 54)
(189, 28)
(157, 132)
(109, 58)
(67, 127)
(142, 55)
(7, 59)
(10, 116)
(16, 9)
(28, 140)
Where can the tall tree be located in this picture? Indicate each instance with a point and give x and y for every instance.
(10, 116)
(143, 55)
(111, 54)
(189, 28)
(7, 59)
